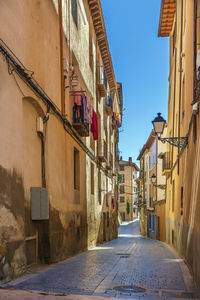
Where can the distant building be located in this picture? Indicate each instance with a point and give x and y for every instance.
(127, 189)
(152, 194)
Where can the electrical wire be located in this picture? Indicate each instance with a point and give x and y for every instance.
(20, 69)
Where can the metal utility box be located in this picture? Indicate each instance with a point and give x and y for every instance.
(39, 203)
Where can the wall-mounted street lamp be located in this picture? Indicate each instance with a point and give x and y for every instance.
(140, 202)
(159, 125)
(159, 186)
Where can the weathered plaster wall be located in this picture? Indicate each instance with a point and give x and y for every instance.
(182, 222)
(32, 32)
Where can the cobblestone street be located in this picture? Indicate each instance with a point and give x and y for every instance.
(126, 261)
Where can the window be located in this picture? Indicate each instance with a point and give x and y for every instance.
(181, 200)
(74, 11)
(92, 178)
(121, 188)
(91, 58)
(172, 236)
(173, 194)
(121, 178)
(121, 199)
(121, 168)
(76, 170)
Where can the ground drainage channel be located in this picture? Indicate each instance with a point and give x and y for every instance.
(130, 289)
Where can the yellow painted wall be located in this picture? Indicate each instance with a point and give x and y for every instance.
(182, 224)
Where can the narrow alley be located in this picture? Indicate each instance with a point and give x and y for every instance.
(150, 267)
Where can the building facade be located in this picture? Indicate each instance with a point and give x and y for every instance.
(128, 192)
(152, 188)
(179, 20)
(60, 113)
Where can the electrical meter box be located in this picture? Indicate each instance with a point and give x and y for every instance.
(39, 203)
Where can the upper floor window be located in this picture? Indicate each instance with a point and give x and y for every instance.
(122, 199)
(121, 168)
(121, 189)
(76, 170)
(74, 11)
(121, 178)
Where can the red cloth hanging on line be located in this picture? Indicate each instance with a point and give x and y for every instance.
(94, 125)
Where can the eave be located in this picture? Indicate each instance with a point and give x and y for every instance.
(167, 13)
(148, 144)
(100, 30)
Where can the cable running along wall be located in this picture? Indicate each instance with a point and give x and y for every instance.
(27, 76)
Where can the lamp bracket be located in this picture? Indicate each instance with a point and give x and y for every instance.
(160, 186)
(180, 142)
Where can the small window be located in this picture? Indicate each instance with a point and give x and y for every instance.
(74, 11)
(91, 58)
(173, 195)
(121, 199)
(121, 178)
(76, 170)
(121, 188)
(121, 168)
(181, 200)
(172, 236)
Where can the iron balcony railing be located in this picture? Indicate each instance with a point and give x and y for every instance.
(109, 101)
(109, 105)
(79, 122)
(102, 81)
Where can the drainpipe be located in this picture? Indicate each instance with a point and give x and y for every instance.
(175, 54)
(44, 251)
(180, 82)
(61, 57)
(43, 160)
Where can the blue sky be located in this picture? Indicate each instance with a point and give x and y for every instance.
(141, 63)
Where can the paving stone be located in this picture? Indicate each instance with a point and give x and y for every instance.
(128, 260)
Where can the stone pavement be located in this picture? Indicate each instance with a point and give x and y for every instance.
(130, 267)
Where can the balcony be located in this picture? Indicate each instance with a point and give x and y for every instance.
(109, 105)
(166, 163)
(102, 81)
(102, 150)
(80, 117)
(114, 122)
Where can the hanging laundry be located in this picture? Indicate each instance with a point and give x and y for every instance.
(94, 125)
(77, 111)
(113, 203)
(85, 110)
(77, 97)
(118, 117)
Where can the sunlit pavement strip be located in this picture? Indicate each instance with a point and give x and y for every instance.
(126, 264)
